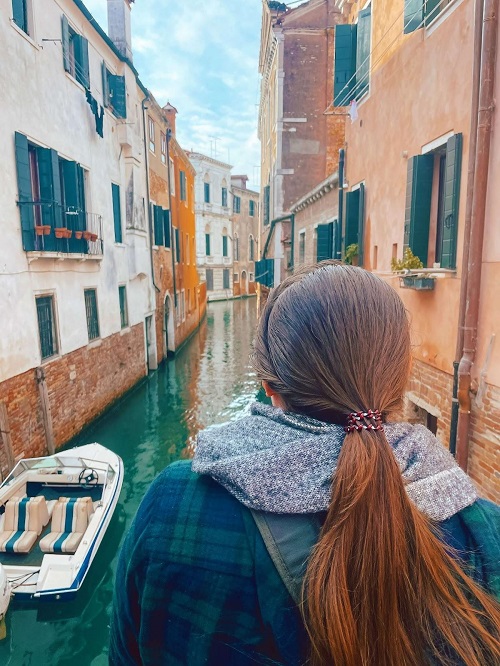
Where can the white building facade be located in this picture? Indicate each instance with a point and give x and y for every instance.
(214, 232)
(75, 267)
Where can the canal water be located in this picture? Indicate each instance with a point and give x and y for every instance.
(209, 381)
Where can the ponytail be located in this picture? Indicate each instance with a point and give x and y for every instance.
(380, 588)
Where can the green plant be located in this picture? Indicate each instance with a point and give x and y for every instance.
(351, 252)
(408, 262)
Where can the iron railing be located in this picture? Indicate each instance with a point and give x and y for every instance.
(47, 227)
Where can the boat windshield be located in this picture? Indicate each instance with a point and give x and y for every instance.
(54, 462)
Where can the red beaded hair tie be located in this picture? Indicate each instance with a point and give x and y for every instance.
(356, 421)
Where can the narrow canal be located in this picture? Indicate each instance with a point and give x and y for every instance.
(209, 381)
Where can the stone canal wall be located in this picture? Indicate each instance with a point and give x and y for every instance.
(79, 385)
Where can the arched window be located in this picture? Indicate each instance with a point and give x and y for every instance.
(251, 248)
(236, 247)
(225, 252)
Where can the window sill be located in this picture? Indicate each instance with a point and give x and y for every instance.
(25, 35)
(125, 330)
(49, 359)
(93, 344)
(120, 244)
(62, 256)
(74, 81)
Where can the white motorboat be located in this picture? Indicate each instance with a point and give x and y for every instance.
(54, 512)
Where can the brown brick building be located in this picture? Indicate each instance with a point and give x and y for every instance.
(245, 224)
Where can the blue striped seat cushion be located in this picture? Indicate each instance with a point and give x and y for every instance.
(22, 524)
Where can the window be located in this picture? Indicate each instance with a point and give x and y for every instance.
(328, 241)
(46, 326)
(114, 92)
(207, 244)
(355, 220)
(352, 59)
(225, 278)
(151, 134)
(302, 247)
(236, 248)
(182, 185)
(20, 14)
(264, 272)
(236, 277)
(224, 197)
(442, 166)
(122, 294)
(251, 277)
(90, 296)
(171, 177)
(183, 305)
(177, 246)
(251, 248)
(224, 246)
(375, 258)
(418, 13)
(117, 215)
(251, 208)
(267, 202)
(206, 192)
(75, 50)
(209, 273)
(159, 225)
(236, 204)
(163, 147)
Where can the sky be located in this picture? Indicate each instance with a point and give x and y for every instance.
(202, 56)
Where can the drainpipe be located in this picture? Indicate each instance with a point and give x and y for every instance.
(150, 222)
(335, 249)
(485, 112)
(476, 77)
(292, 248)
(172, 239)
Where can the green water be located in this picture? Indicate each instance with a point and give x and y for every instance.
(209, 381)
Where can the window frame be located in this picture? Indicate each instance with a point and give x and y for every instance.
(163, 147)
(124, 315)
(93, 327)
(54, 333)
(206, 193)
(151, 135)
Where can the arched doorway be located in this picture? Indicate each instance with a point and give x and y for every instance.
(244, 290)
(168, 326)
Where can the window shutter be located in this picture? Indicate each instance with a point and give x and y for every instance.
(267, 197)
(337, 240)
(50, 192)
(82, 65)
(166, 227)
(177, 246)
(117, 212)
(210, 279)
(19, 14)
(71, 194)
(270, 273)
(224, 246)
(105, 86)
(324, 241)
(351, 218)
(207, 244)
(418, 205)
(363, 51)
(24, 189)
(361, 225)
(432, 9)
(118, 95)
(345, 64)
(413, 15)
(65, 43)
(158, 224)
(451, 201)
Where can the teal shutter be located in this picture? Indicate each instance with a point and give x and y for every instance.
(324, 236)
(432, 9)
(270, 273)
(105, 85)
(351, 218)
(19, 14)
(207, 244)
(267, 197)
(363, 51)
(451, 201)
(413, 15)
(24, 191)
(117, 212)
(166, 227)
(224, 246)
(50, 192)
(118, 95)
(82, 73)
(264, 272)
(71, 193)
(345, 64)
(361, 225)
(177, 246)
(182, 180)
(418, 205)
(65, 43)
(158, 224)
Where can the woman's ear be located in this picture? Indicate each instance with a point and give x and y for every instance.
(268, 390)
(276, 399)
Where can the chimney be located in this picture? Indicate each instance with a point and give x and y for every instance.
(171, 112)
(239, 181)
(119, 25)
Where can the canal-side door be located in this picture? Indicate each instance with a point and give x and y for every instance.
(168, 326)
(151, 359)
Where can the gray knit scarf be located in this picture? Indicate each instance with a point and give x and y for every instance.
(280, 462)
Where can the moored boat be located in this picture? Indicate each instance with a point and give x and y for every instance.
(54, 512)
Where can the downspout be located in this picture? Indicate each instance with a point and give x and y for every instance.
(485, 112)
(150, 222)
(471, 167)
(172, 239)
(292, 248)
(337, 249)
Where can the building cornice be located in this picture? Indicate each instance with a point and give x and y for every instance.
(205, 158)
(317, 193)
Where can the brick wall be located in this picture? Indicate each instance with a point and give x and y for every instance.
(323, 209)
(80, 386)
(430, 391)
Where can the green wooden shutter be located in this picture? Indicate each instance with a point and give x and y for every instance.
(431, 10)
(351, 218)
(267, 198)
(65, 43)
(24, 191)
(413, 15)
(166, 227)
(418, 205)
(82, 73)
(269, 265)
(19, 14)
(207, 244)
(451, 201)
(50, 192)
(361, 225)
(71, 194)
(182, 182)
(118, 95)
(363, 52)
(177, 246)
(345, 64)
(158, 224)
(117, 212)
(105, 85)
(224, 246)
(324, 233)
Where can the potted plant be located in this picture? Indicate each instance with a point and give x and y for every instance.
(78, 234)
(60, 232)
(46, 229)
(351, 254)
(87, 235)
(93, 237)
(410, 278)
(69, 233)
(39, 229)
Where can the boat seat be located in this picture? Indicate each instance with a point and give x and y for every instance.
(24, 521)
(70, 519)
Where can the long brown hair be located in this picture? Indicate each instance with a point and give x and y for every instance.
(380, 588)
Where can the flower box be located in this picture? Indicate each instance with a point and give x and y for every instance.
(418, 282)
(78, 234)
(87, 235)
(60, 232)
(68, 233)
(40, 230)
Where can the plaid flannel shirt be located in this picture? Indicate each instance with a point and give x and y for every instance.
(195, 584)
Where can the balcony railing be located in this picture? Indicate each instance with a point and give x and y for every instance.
(48, 228)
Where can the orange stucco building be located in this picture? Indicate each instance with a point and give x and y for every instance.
(406, 185)
(180, 297)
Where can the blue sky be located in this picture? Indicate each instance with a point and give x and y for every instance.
(202, 56)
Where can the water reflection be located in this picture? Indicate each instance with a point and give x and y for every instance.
(209, 381)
